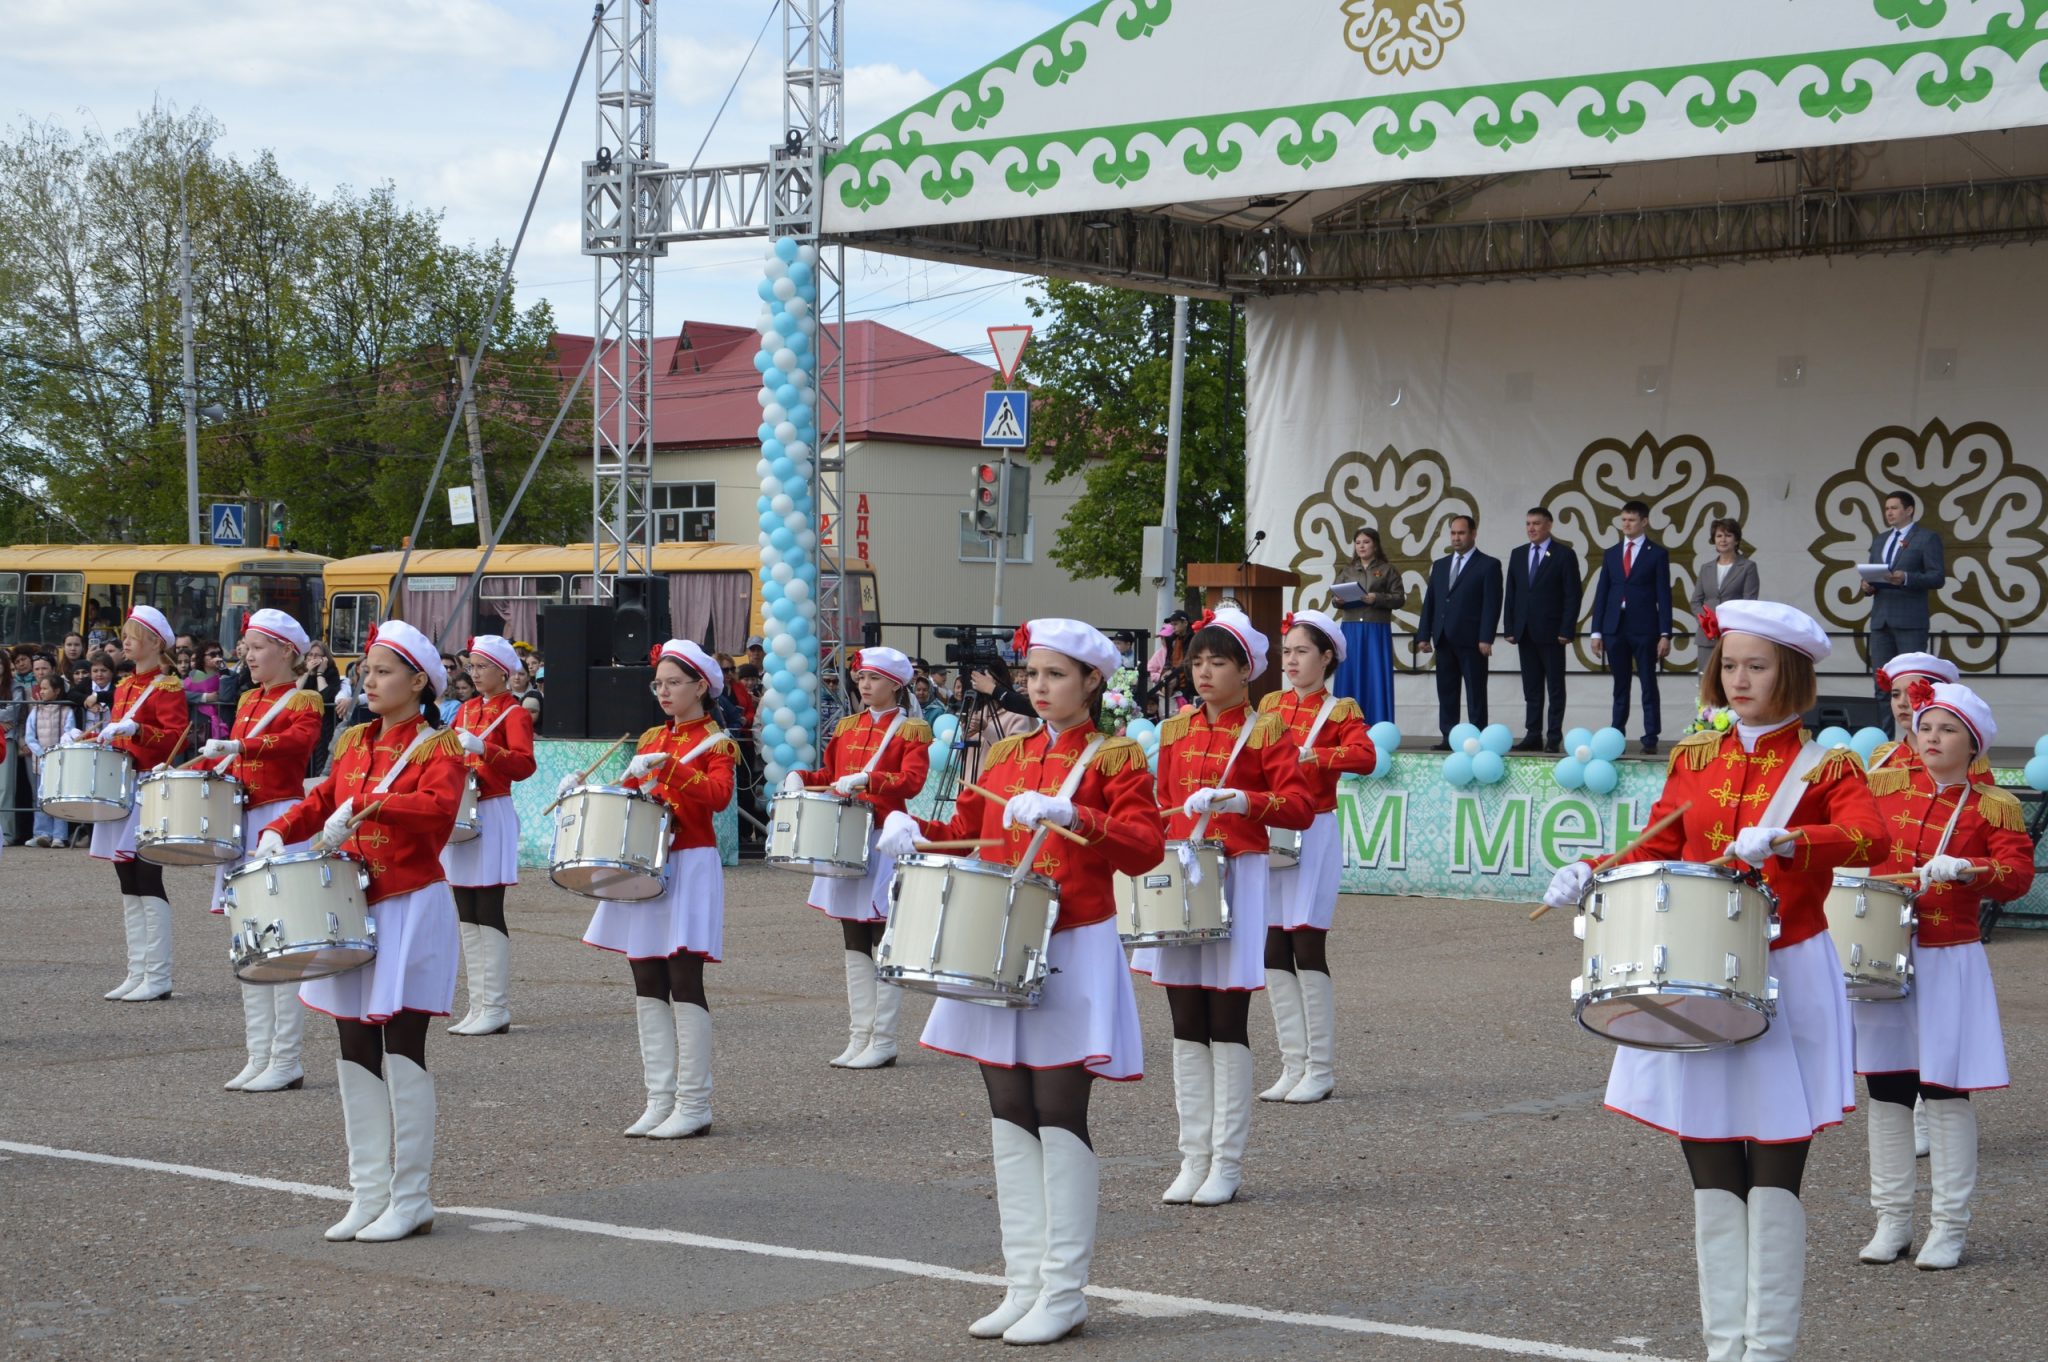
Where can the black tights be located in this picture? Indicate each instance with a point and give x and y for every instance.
(1297, 950)
(1900, 1089)
(1211, 1016)
(679, 978)
(484, 906)
(861, 936)
(365, 1044)
(1034, 1098)
(143, 879)
(1738, 1165)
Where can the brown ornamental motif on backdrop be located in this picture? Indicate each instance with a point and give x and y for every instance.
(1989, 509)
(1399, 36)
(1676, 478)
(1408, 498)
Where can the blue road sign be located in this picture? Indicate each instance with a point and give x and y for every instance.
(230, 526)
(1005, 418)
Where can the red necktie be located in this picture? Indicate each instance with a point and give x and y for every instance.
(1628, 558)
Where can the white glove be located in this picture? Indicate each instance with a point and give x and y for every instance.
(1031, 807)
(220, 747)
(1945, 870)
(344, 696)
(71, 735)
(639, 767)
(335, 831)
(1568, 885)
(846, 786)
(1190, 863)
(1755, 846)
(569, 783)
(120, 728)
(1215, 801)
(269, 844)
(471, 743)
(793, 783)
(899, 836)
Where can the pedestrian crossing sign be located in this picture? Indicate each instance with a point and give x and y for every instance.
(228, 524)
(1005, 418)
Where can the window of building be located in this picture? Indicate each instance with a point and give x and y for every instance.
(975, 549)
(685, 512)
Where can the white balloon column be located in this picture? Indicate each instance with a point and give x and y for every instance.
(788, 361)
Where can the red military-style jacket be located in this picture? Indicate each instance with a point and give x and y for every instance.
(401, 844)
(1893, 755)
(1113, 812)
(272, 765)
(160, 722)
(691, 793)
(1341, 746)
(1192, 755)
(508, 751)
(1990, 834)
(897, 777)
(1729, 790)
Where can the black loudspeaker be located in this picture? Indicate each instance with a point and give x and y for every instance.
(620, 701)
(568, 635)
(1848, 711)
(639, 610)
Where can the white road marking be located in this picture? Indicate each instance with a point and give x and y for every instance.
(1137, 1302)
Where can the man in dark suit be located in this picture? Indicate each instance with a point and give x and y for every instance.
(1632, 617)
(1900, 607)
(1460, 612)
(1541, 619)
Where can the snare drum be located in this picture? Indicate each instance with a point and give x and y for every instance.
(610, 843)
(1162, 908)
(819, 833)
(1872, 924)
(298, 916)
(86, 782)
(1677, 957)
(467, 826)
(1283, 848)
(968, 929)
(189, 818)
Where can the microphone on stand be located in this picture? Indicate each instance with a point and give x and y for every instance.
(1257, 539)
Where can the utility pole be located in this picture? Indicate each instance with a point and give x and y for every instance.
(1002, 538)
(476, 453)
(191, 376)
(1169, 515)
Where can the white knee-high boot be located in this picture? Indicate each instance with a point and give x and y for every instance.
(1952, 1162)
(1233, 1125)
(257, 1021)
(1319, 1013)
(657, 1062)
(1720, 1236)
(1194, 1101)
(366, 1120)
(412, 1154)
(156, 960)
(469, 973)
(1020, 1206)
(489, 980)
(136, 927)
(1777, 1274)
(1072, 1194)
(861, 986)
(692, 1113)
(1891, 1181)
(1283, 991)
(881, 1049)
(287, 1037)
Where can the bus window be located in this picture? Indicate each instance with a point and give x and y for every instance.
(349, 621)
(510, 606)
(189, 600)
(50, 604)
(10, 606)
(106, 605)
(294, 593)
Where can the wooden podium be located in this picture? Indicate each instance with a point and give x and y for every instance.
(1258, 591)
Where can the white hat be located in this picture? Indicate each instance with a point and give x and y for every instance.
(1321, 623)
(281, 627)
(695, 658)
(158, 625)
(1239, 626)
(1781, 624)
(1916, 664)
(415, 647)
(497, 651)
(1083, 642)
(1960, 701)
(887, 661)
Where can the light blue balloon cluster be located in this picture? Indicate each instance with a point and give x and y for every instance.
(1145, 733)
(1865, 741)
(1588, 760)
(788, 363)
(1386, 740)
(1478, 755)
(945, 729)
(2036, 773)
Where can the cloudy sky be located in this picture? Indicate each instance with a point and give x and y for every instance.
(452, 101)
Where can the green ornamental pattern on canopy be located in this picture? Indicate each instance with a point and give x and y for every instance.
(1137, 103)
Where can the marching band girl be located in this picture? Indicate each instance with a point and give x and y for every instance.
(1745, 1115)
(1227, 774)
(496, 733)
(148, 723)
(269, 749)
(1039, 1063)
(687, 765)
(879, 757)
(389, 800)
(1328, 735)
(1895, 678)
(1942, 1041)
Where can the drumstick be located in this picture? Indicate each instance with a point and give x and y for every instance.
(966, 844)
(603, 757)
(994, 798)
(1913, 877)
(1798, 837)
(1607, 862)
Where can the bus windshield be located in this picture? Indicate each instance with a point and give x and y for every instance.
(189, 600)
(295, 593)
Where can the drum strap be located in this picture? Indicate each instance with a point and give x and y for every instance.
(276, 708)
(1787, 798)
(876, 755)
(1322, 717)
(384, 785)
(503, 715)
(1243, 735)
(1941, 847)
(711, 740)
(1067, 788)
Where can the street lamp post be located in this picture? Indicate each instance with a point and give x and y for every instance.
(185, 324)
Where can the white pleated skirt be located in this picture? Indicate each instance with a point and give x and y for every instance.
(688, 916)
(1787, 1084)
(1237, 963)
(1088, 1014)
(417, 950)
(253, 822)
(114, 840)
(865, 899)
(1947, 1029)
(1305, 895)
(490, 858)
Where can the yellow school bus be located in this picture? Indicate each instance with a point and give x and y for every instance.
(49, 590)
(714, 593)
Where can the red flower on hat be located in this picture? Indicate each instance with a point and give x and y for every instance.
(1710, 623)
(1920, 693)
(1208, 618)
(1287, 622)
(370, 642)
(1884, 679)
(470, 646)
(654, 656)
(1021, 640)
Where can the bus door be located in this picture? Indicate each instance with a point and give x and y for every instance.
(106, 607)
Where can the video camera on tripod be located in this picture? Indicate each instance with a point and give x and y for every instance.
(970, 648)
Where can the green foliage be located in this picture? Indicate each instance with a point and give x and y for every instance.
(326, 327)
(1101, 366)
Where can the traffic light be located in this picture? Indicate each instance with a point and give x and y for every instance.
(988, 499)
(276, 539)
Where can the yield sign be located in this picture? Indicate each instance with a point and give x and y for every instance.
(1009, 342)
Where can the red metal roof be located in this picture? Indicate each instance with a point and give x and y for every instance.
(897, 387)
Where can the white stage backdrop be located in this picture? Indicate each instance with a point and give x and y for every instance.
(1790, 396)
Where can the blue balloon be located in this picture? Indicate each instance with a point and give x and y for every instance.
(800, 274)
(785, 249)
(771, 736)
(771, 449)
(785, 754)
(1496, 738)
(1462, 734)
(1833, 736)
(2041, 746)
(782, 537)
(1570, 773)
(783, 609)
(1382, 762)
(807, 571)
(1458, 769)
(1866, 741)
(771, 591)
(1601, 777)
(799, 627)
(1385, 736)
(1136, 729)
(1577, 738)
(762, 504)
(800, 342)
(1489, 767)
(783, 467)
(762, 363)
(770, 522)
(1608, 745)
(946, 725)
(2036, 772)
(787, 395)
(766, 288)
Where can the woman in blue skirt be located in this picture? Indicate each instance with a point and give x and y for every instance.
(1367, 672)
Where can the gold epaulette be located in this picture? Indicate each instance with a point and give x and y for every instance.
(1347, 708)
(1002, 749)
(1697, 749)
(352, 737)
(1838, 762)
(246, 696)
(168, 683)
(1270, 702)
(1118, 755)
(1881, 754)
(651, 734)
(1890, 780)
(846, 724)
(2000, 808)
(1266, 730)
(915, 730)
(305, 699)
(727, 747)
(1981, 766)
(442, 744)
(1174, 728)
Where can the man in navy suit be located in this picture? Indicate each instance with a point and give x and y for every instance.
(1541, 620)
(1632, 617)
(1900, 614)
(1460, 612)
